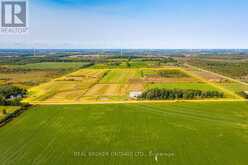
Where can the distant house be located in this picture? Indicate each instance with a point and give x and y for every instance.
(19, 96)
(135, 94)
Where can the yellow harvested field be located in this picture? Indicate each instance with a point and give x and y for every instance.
(136, 87)
(89, 73)
(49, 90)
(66, 96)
(108, 90)
(70, 87)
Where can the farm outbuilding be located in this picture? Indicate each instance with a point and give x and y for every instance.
(135, 94)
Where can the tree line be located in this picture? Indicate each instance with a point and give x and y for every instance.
(176, 94)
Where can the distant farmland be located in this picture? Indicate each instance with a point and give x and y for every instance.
(51, 65)
(33, 74)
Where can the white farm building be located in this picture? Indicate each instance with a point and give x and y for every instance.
(135, 94)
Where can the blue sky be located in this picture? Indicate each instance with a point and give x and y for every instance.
(164, 24)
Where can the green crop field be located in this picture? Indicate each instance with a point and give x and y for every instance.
(120, 76)
(181, 133)
(184, 85)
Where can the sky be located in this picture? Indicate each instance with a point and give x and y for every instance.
(134, 24)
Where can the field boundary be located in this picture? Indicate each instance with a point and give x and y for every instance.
(141, 102)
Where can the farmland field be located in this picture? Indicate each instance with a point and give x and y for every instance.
(134, 64)
(230, 67)
(121, 76)
(68, 88)
(27, 79)
(107, 90)
(29, 75)
(234, 86)
(97, 85)
(50, 65)
(196, 86)
(182, 133)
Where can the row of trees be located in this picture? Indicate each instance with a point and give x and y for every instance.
(174, 94)
(11, 95)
